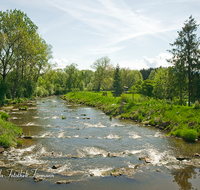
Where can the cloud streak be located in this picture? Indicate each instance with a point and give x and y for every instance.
(113, 20)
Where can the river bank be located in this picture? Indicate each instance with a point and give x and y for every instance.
(179, 121)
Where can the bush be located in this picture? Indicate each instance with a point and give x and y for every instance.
(196, 105)
(6, 141)
(190, 135)
(20, 100)
(26, 108)
(19, 142)
(125, 98)
(4, 116)
(178, 133)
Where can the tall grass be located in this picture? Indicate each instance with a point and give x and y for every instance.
(9, 132)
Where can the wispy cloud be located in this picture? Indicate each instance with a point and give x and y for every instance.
(114, 20)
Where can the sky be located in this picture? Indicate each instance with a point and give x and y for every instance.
(134, 34)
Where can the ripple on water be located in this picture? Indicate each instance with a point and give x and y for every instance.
(112, 136)
(134, 135)
(92, 151)
(95, 125)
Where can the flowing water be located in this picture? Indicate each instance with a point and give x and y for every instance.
(88, 146)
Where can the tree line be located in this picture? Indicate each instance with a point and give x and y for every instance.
(25, 70)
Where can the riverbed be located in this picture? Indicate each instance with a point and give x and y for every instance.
(80, 144)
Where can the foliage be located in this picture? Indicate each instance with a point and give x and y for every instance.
(19, 142)
(186, 56)
(130, 77)
(190, 135)
(196, 105)
(117, 84)
(8, 133)
(4, 116)
(23, 55)
(102, 67)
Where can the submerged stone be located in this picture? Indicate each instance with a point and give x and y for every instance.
(64, 182)
(37, 179)
(123, 171)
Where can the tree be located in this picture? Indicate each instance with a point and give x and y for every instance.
(147, 87)
(117, 84)
(130, 77)
(72, 73)
(23, 54)
(160, 86)
(15, 29)
(101, 67)
(186, 53)
(145, 73)
(152, 74)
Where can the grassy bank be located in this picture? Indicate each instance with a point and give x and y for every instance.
(9, 132)
(180, 121)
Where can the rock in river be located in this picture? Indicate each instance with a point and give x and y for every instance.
(123, 171)
(64, 182)
(28, 137)
(56, 166)
(37, 179)
(181, 158)
(1, 150)
(147, 160)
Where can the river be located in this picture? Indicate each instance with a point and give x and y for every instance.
(87, 147)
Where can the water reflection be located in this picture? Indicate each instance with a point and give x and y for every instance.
(182, 177)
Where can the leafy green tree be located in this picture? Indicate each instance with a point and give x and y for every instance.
(147, 87)
(23, 53)
(130, 77)
(101, 67)
(74, 77)
(186, 53)
(117, 84)
(160, 80)
(152, 74)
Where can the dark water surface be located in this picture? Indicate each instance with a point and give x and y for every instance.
(84, 145)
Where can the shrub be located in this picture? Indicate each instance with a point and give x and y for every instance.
(196, 105)
(4, 116)
(6, 141)
(63, 117)
(190, 135)
(19, 142)
(26, 108)
(178, 133)
(125, 98)
(20, 100)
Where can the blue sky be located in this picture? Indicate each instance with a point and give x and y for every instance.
(132, 33)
